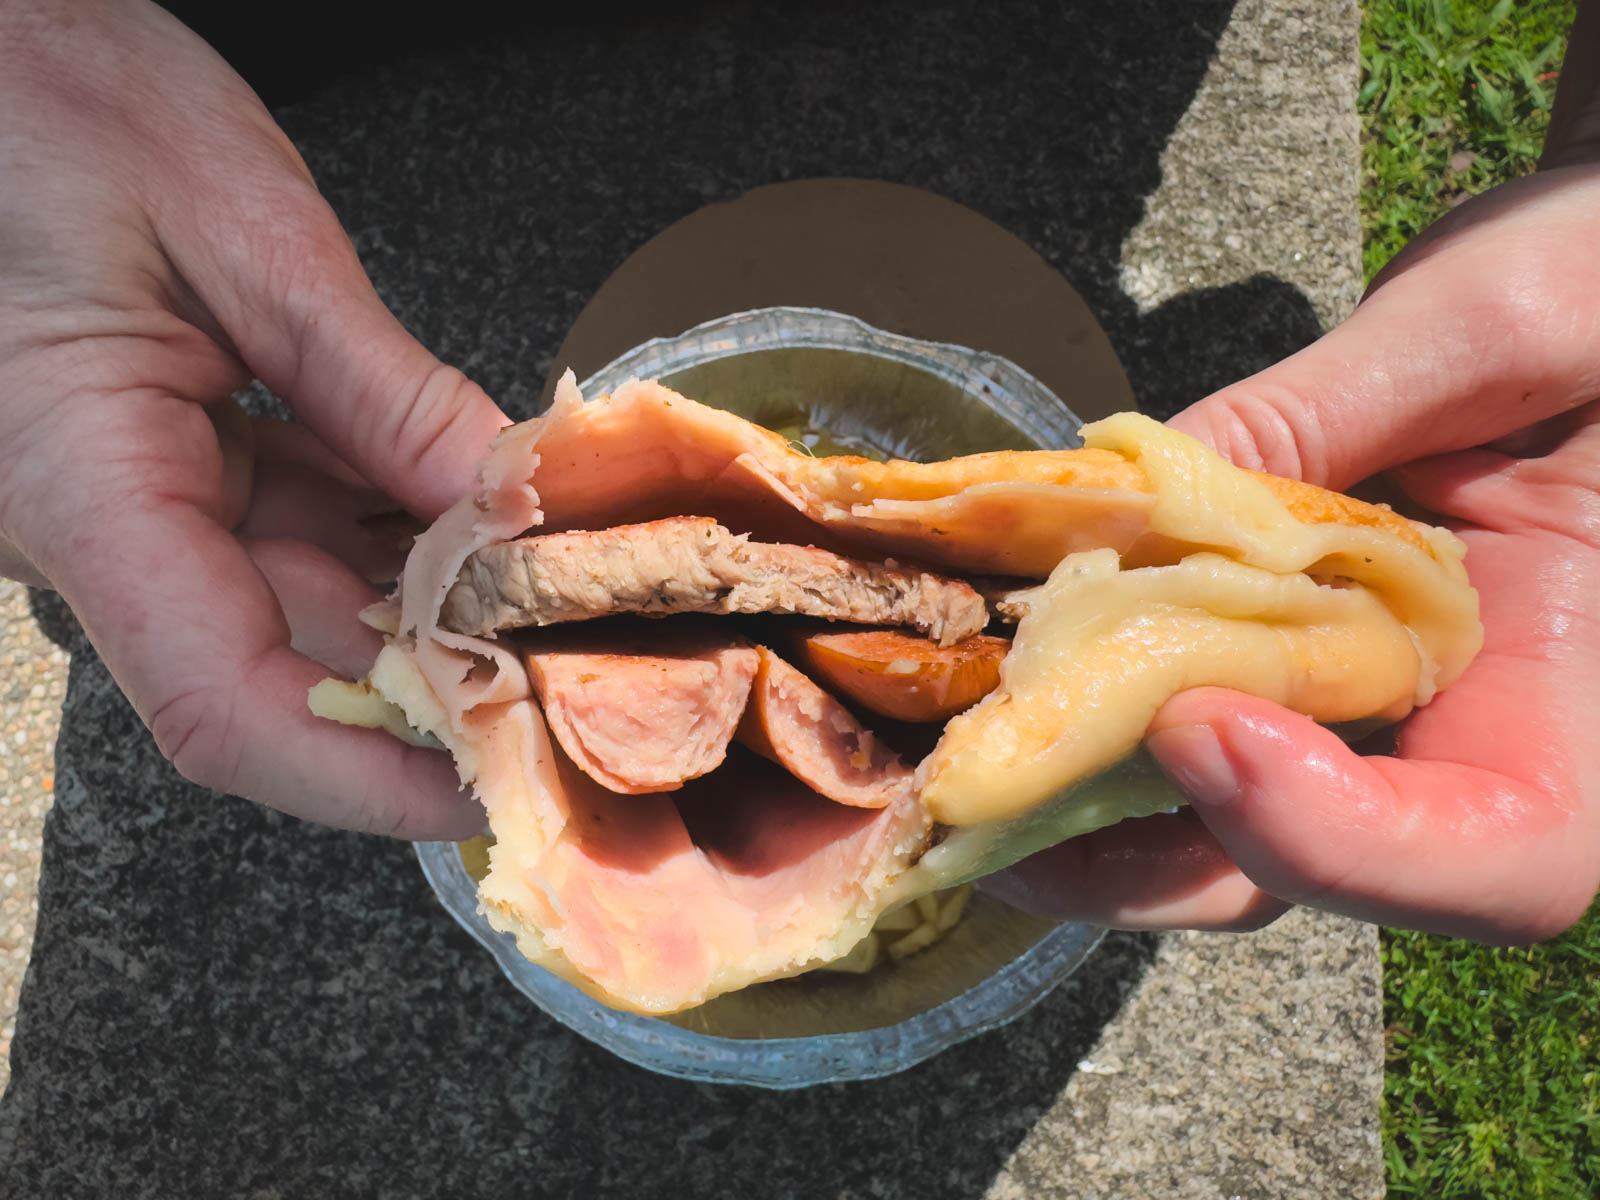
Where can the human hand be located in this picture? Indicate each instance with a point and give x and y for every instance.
(1469, 373)
(161, 243)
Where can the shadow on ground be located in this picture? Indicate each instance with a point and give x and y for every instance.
(225, 1002)
(494, 185)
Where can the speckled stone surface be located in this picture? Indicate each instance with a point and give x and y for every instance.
(1280, 91)
(225, 1002)
(1240, 1067)
(33, 680)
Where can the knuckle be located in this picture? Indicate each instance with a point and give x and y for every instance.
(303, 253)
(1265, 427)
(280, 246)
(423, 424)
(192, 731)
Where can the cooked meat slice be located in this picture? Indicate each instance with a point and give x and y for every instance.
(900, 675)
(800, 727)
(693, 564)
(637, 714)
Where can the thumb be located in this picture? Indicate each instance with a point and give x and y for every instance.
(1484, 327)
(266, 256)
(1492, 850)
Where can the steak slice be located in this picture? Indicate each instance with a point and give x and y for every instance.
(693, 564)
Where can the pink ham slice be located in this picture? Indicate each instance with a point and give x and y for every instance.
(800, 727)
(660, 891)
(638, 712)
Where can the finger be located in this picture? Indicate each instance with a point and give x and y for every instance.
(236, 445)
(1555, 492)
(295, 501)
(1160, 872)
(14, 564)
(382, 534)
(321, 598)
(292, 442)
(1435, 359)
(195, 638)
(1452, 847)
(265, 254)
(1548, 436)
(414, 426)
(1485, 826)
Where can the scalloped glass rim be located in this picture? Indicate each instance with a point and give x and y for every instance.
(786, 1063)
(998, 383)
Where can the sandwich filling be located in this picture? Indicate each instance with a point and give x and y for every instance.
(726, 703)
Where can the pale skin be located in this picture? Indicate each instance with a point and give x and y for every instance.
(1469, 374)
(161, 243)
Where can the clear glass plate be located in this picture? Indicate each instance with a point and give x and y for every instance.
(823, 373)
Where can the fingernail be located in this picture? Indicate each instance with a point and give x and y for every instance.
(1194, 759)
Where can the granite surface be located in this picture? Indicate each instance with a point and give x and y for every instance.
(1239, 1067)
(222, 1001)
(1280, 93)
(33, 681)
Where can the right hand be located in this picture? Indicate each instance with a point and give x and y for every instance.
(1470, 372)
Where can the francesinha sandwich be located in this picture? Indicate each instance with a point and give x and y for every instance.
(726, 703)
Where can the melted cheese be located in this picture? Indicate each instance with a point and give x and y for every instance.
(1102, 647)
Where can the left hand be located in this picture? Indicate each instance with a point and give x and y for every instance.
(161, 243)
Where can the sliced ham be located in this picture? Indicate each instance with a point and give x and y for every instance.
(638, 713)
(800, 727)
(693, 564)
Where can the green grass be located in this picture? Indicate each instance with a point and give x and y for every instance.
(1493, 1085)
(1493, 1082)
(1455, 97)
